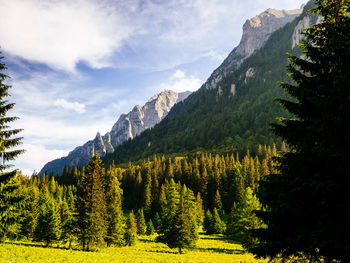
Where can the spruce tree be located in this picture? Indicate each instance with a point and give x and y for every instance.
(91, 204)
(141, 223)
(131, 230)
(150, 228)
(218, 226)
(308, 200)
(243, 218)
(47, 227)
(115, 216)
(9, 198)
(208, 222)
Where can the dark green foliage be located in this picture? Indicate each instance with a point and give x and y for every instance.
(213, 223)
(130, 235)
(207, 222)
(150, 228)
(47, 227)
(9, 196)
(181, 230)
(91, 204)
(30, 212)
(157, 222)
(208, 121)
(141, 223)
(308, 200)
(115, 216)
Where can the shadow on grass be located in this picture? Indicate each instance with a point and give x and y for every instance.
(147, 240)
(161, 251)
(220, 238)
(220, 250)
(41, 245)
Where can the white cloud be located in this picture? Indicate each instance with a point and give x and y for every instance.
(76, 106)
(36, 156)
(62, 33)
(179, 82)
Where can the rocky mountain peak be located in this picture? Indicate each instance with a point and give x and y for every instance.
(127, 127)
(255, 32)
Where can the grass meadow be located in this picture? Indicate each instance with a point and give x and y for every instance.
(210, 248)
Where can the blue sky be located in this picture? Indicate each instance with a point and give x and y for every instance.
(76, 65)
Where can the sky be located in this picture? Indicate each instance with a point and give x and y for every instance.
(76, 65)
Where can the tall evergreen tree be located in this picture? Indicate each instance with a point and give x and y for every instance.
(308, 201)
(141, 222)
(115, 216)
(91, 204)
(47, 227)
(131, 230)
(8, 185)
(243, 218)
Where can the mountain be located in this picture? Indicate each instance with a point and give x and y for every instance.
(127, 127)
(232, 109)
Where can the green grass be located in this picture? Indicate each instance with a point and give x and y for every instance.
(213, 248)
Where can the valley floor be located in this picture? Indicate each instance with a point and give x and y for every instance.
(213, 248)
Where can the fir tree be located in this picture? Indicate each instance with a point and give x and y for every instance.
(208, 222)
(141, 223)
(308, 200)
(218, 226)
(243, 218)
(157, 222)
(131, 231)
(47, 227)
(150, 228)
(9, 198)
(115, 216)
(91, 204)
(217, 202)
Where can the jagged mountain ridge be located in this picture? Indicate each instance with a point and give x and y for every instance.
(255, 33)
(231, 111)
(127, 127)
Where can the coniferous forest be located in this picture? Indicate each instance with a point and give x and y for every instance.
(283, 201)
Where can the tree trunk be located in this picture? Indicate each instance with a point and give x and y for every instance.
(179, 250)
(70, 244)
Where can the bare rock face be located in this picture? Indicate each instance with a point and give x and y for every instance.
(255, 32)
(306, 22)
(127, 127)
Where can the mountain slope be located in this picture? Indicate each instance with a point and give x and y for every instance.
(231, 110)
(127, 127)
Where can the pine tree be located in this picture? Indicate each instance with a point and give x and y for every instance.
(91, 204)
(157, 222)
(150, 228)
(30, 212)
(208, 222)
(218, 226)
(115, 216)
(199, 209)
(243, 218)
(9, 198)
(141, 223)
(131, 231)
(217, 202)
(308, 200)
(47, 228)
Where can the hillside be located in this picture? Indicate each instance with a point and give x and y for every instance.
(231, 111)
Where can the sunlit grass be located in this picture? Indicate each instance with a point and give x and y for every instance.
(213, 248)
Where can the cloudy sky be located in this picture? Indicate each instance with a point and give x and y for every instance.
(76, 65)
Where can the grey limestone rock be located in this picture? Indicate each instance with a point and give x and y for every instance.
(127, 127)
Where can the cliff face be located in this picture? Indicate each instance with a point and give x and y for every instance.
(127, 127)
(255, 33)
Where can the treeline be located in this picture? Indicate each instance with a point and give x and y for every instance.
(174, 197)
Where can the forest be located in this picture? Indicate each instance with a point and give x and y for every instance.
(286, 201)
